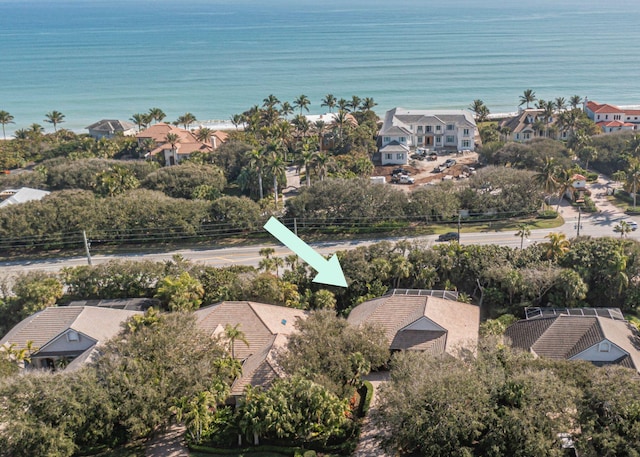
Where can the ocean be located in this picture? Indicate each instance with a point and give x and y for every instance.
(95, 59)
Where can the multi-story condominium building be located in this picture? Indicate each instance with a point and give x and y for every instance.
(611, 118)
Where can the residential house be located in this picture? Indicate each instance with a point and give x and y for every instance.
(599, 335)
(155, 138)
(531, 123)
(265, 327)
(578, 189)
(66, 335)
(108, 128)
(404, 130)
(329, 121)
(611, 118)
(421, 320)
(22, 195)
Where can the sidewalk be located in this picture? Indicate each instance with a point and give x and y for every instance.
(168, 443)
(368, 445)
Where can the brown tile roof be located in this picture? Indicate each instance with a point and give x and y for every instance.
(603, 108)
(97, 323)
(427, 319)
(521, 122)
(261, 368)
(258, 321)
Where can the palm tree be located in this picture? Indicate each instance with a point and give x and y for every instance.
(236, 120)
(523, 232)
(140, 119)
(278, 169)
(156, 114)
(564, 184)
(546, 177)
(186, 120)
(355, 102)
(35, 130)
(341, 120)
(5, 118)
(574, 101)
(204, 135)
(528, 96)
(55, 118)
(320, 127)
(173, 139)
(343, 104)
(306, 159)
(479, 109)
(302, 102)
(557, 246)
(623, 228)
(321, 162)
(633, 178)
(368, 104)
(270, 101)
(587, 153)
(286, 109)
(633, 145)
(256, 162)
(560, 103)
(233, 334)
(329, 101)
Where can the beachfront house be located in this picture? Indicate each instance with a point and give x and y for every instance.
(405, 130)
(155, 140)
(109, 128)
(531, 123)
(611, 118)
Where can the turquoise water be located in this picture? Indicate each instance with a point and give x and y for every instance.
(94, 59)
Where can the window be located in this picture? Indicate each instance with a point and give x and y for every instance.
(400, 156)
(606, 116)
(616, 117)
(438, 139)
(388, 156)
(527, 135)
(73, 336)
(465, 143)
(604, 346)
(386, 139)
(429, 128)
(451, 139)
(598, 116)
(419, 129)
(437, 128)
(420, 140)
(517, 136)
(450, 127)
(466, 132)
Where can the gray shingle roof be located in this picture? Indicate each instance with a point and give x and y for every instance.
(24, 194)
(111, 126)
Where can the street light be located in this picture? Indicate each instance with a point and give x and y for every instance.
(578, 225)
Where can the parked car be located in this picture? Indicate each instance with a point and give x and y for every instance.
(450, 163)
(402, 179)
(632, 224)
(399, 171)
(449, 236)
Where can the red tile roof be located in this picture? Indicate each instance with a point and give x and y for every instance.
(614, 124)
(603, 108)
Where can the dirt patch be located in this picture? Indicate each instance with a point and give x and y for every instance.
(422, 171)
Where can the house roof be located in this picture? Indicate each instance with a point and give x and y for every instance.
(632, 112)
(130, 304)
(578, 177)
(404, 118)
(394, 146)
(42, 327)
(417, 320)
(258, 321)
(523, 120)
(24, 194)
(603, 108)
(261, 368)
(564, 336)
(111, 126)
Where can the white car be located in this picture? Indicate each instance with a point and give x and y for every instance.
(632, 224)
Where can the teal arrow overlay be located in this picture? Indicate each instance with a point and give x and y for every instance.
(329, 271)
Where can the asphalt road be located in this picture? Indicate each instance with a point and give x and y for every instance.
(597, 225)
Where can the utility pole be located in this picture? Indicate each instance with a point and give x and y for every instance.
(578, 224)
(86, 246)
(459, 218)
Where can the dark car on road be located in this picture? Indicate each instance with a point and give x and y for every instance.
(449, 236)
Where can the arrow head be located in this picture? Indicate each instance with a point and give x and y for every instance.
(331, 273)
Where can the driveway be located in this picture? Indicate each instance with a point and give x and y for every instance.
(368, 446)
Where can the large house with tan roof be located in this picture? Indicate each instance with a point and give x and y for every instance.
(404, 130)
(109, 128)
(66, 334)
(611, 118)
(531, 123)
(432, 321)
(265, 327)
(598, 335)
(186, 144)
